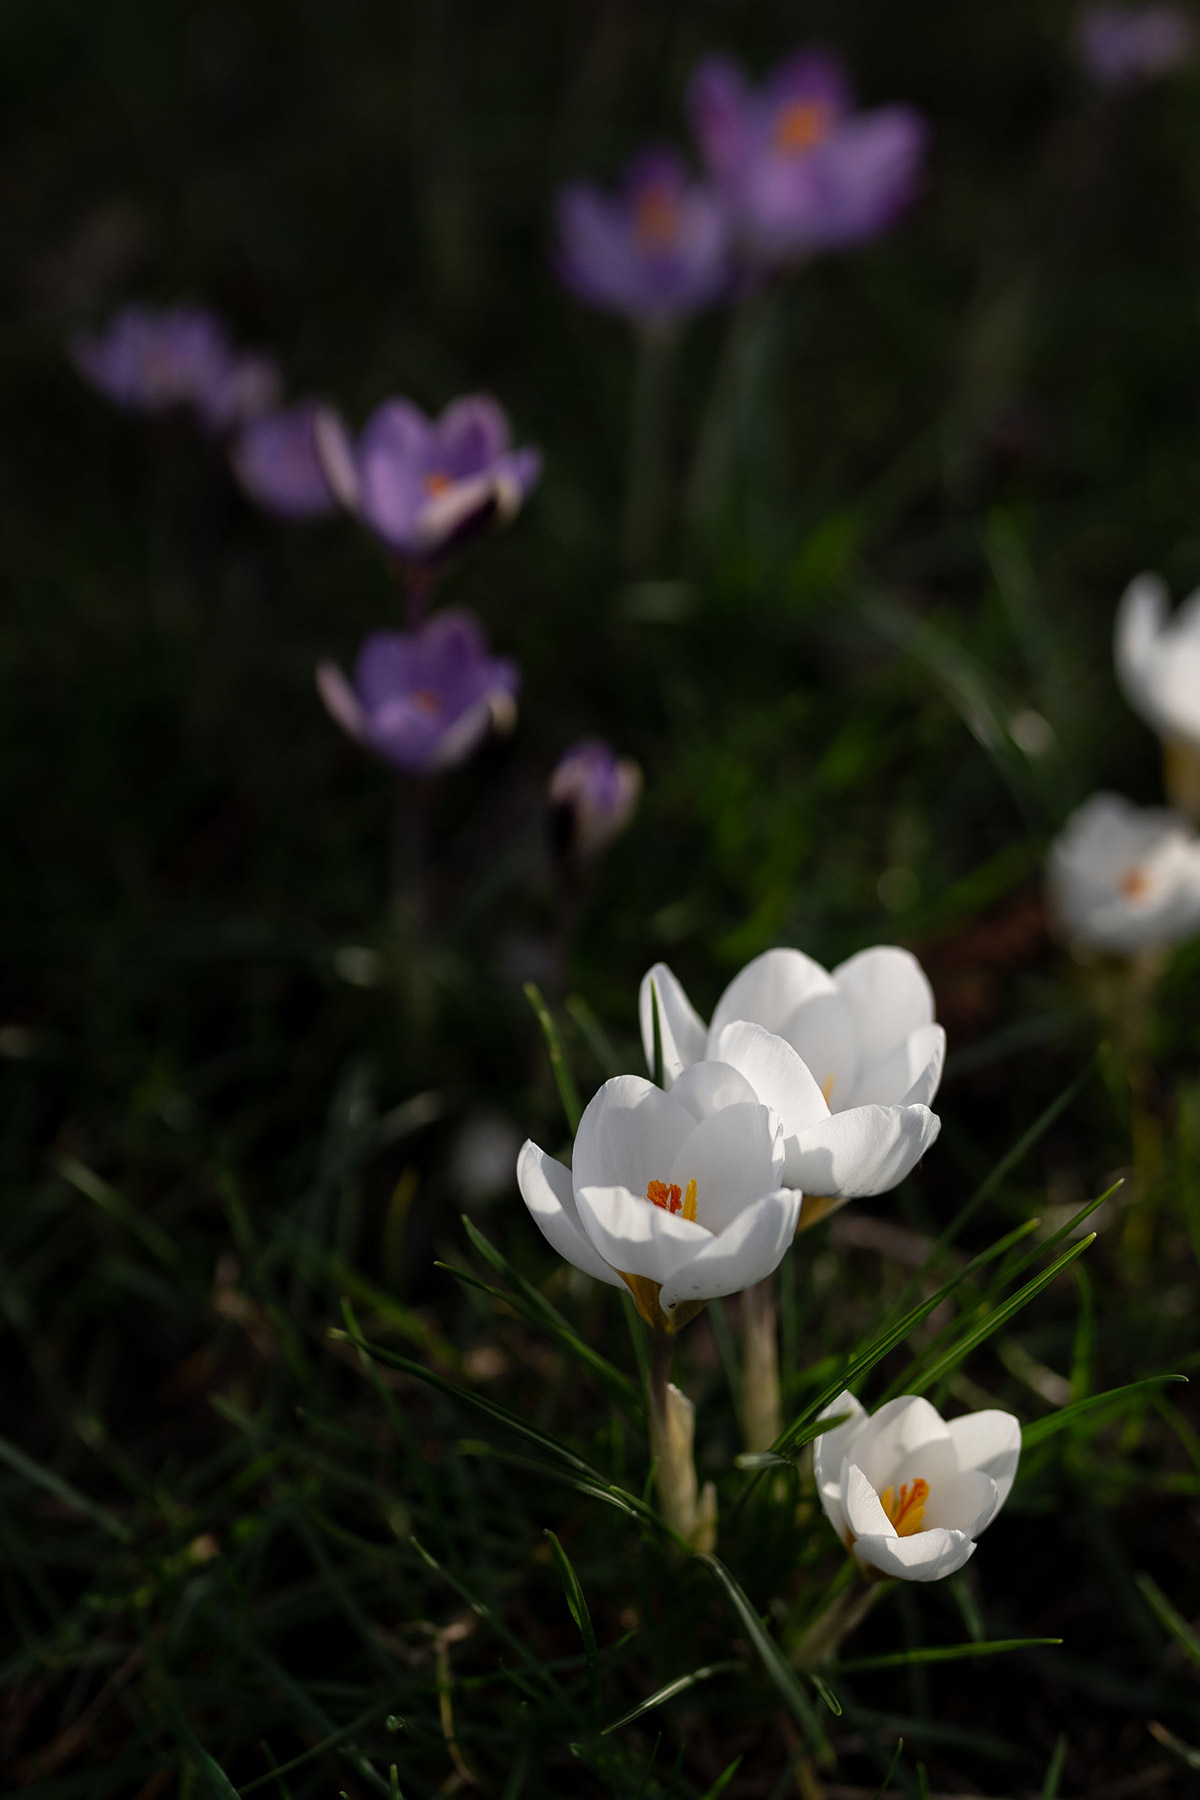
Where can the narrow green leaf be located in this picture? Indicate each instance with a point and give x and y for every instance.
(1054, 1768)
(903, 1659)
(680, 1685)
(594, 1035)
(826, 1692)
(723, 1780)
(796, 1700)
(578, 1608)
(1171, 1621)
(483, 1611)
(85, 1181)
(567, 1092)
(892, 1766)
(656, 1061)
(1041, 1429)
(1014, 1304)
(62, 1490)
(1189, 1757)
(329, 1743)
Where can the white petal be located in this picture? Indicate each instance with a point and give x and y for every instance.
(904, 1439)
(865, 1151)
(546, 1190)
(824, 1034)
(889, 994)
(991, 1441)
(925, 1556)
(966, 1502)
(907, 1075)
(863, 1508)
(780, 1080)
(1141, 616)
(745, 1252)
(769, 989)
(681, 1029)
(636, 1237)
(829, 1451)
(628, 1135)
(707, 1087)
(734, 1157)
(341, 701)
(335, 453)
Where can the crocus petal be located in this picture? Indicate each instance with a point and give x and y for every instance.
(548, 1193)
(967, 1502)
(899, 1434)
(925, 1556)
(709, 1087)
(781, 1081)
(750, 1248)
(635, 1237)
(991, 1441)
(341, 701)
(468, 730)
(890, 995)
(769, 989)
(681, 1029)
(735, 1155)
(335, 453)
(866, 1151)
(629, 1133)
(908, 1074)
(829, 1452)
(823, 1033)
(861, 1504)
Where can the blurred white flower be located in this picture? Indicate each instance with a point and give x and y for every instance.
(1124, 878)
(1158, 658)
(907, 1492)
(676, 1196)
(849, 1060)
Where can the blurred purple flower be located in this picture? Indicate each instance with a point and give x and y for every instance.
(420, 484)
(801, 172)
(148, 361)
(1121, 45)
(594, 794)
(275, 461)
(656, 250)
(424, 699)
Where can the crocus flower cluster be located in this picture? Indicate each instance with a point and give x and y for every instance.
(1120, 46)
(791, 169)
(1122, 879)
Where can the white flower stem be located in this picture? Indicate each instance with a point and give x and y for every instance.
(762, 1419)
(1181, 776)
(826, 1634)
(687, 1509)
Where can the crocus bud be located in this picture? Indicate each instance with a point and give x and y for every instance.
(593, 796)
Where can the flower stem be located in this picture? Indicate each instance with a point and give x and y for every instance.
(762, 1419)
(825, 1635)
(648, 462)
(690, 1511)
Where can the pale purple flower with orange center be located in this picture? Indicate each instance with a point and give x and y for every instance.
(656, 250)
(150, 360)
(274, 459)
(594, 794)
(421, 484)
(424, 699)
(800, 170)
(1122, 45)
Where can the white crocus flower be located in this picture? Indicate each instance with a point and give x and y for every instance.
(678, 1197)
(1124, 878)
(1158, 664)
(909, 1492)
(849, 1059)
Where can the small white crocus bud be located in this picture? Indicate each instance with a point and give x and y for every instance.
(1158, 666)
(1122, 878)
(849, 1059)
(908, 1492)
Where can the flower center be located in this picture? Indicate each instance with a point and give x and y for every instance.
(907, 1512)
(656, 217)
(802, 126)
(436, 482)
(827, 1090)
(672, 1198)
(1134, 884)
(427, 702)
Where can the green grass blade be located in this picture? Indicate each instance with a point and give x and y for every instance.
(656, 1060)
(723, 1780)
(62, 1490)
(771, 1657)
(1041, 1429)
(330, 1743)
(942, 1653)
(680, 1685)
(1189, 1757)
(892, 1767)
(578, 1607)
(1171, 1621)
(567, 1091)
(1054, 1768)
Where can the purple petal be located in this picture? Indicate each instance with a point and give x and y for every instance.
(276, 463)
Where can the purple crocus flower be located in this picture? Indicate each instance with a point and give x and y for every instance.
(148, 360)
(275, 461)
(1121, 45)
(656, 250)
(801, 171)
(594, 794)
(419, 484)
(424, 699)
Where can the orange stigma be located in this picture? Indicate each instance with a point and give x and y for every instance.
(656, 217)
(906, 1513)
(426, 701)
(672, 1198)
(436, 482)
(1134, 884)
(802, 126)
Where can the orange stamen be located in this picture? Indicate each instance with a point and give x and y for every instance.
(906, 1513)
(656, 217)
(1134, 883)
(802, 125)
(426, 701)
(436, 482)
(672, 1198)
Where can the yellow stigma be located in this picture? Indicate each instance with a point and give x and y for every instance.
(802, 125)
(827, 1090)
(907, 1512)
(672, 1198)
